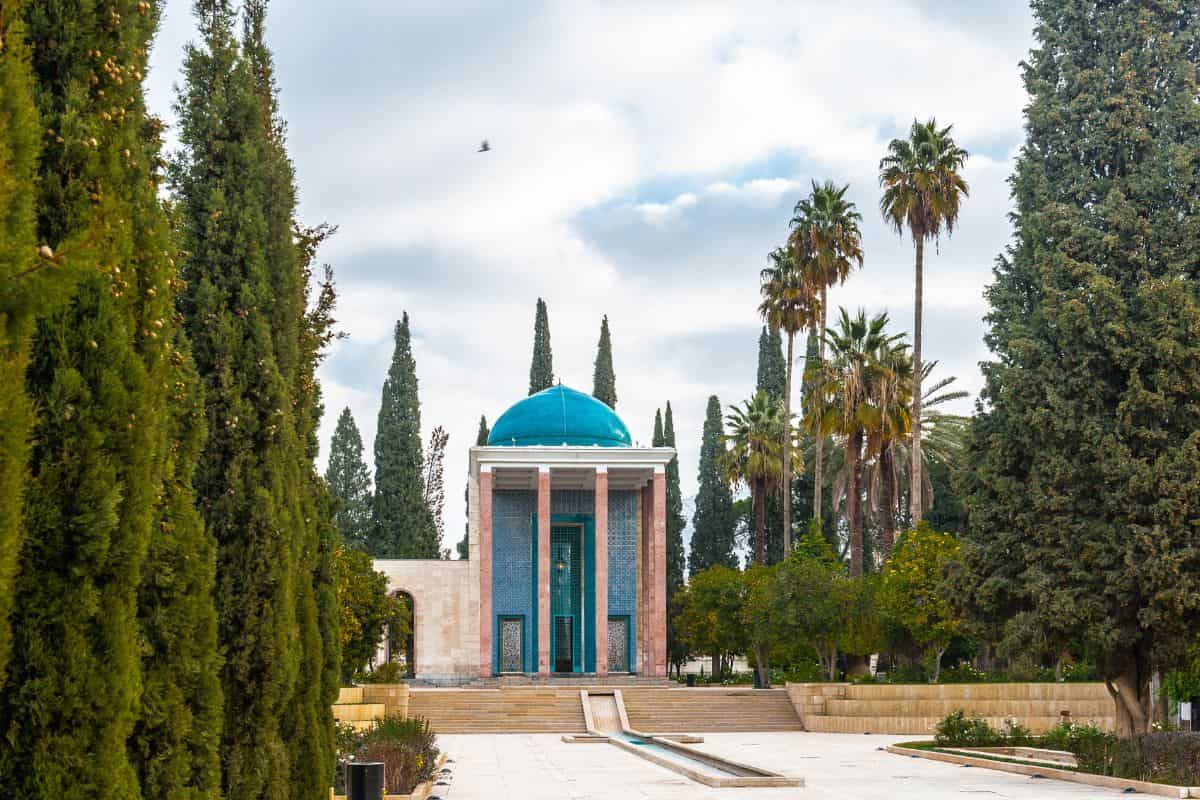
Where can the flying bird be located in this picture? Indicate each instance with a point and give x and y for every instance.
(484, 147)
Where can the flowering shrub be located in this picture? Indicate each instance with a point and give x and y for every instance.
(406, 746)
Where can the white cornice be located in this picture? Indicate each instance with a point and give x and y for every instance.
(566, 457)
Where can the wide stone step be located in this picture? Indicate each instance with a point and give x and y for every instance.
(710, 710)
(978, 691)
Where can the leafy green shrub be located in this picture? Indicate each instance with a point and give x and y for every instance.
(1093, 747)
(406, 746)
(966, 673)
(1172, 758)
(956, 729)
(391, 672)
(1015, 734)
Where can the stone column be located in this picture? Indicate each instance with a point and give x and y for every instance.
(646, 601)
(660, 572)
(485, 571)
(601, 569)
(543, 571)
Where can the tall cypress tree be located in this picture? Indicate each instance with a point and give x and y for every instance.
(175, 745)
(349, 482)
(541, 370)
(713, 524)
(676, 558)
(1083, 478)
(604, 380)
(97, 373)
(22, 291)
(402, 525)
(256, 346)
(481, 439)
(772, 378)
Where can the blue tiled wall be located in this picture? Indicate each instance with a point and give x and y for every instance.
(512, 562)
(572, 501)
(622, 560)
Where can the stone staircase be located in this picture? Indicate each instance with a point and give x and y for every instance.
(916, 709)
(709, 710)
(508, 710)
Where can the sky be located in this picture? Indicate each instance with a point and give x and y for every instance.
(645, 159)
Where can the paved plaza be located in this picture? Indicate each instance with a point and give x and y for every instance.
(542, 767)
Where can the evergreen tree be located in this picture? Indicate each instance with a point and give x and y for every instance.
(402, 525)
(677, 651)
(97, 374)
(772, 376)
(481, 439)
(714, 523)
(1083, 468)
(349, 483)
(604, 380)
(22, 290)
(256, 346)
(541, 371)
(435, 481)
(175, 745)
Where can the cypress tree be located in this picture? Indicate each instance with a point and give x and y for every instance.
(349, 482)
(97, 373)
(676, 558)
(175, 745)
(481, 438)
(22, 291)
(541, 370)
(256, 347)
(604, 381)
(713, 525)
(402, 525)
(772, 378)
(1083, 463)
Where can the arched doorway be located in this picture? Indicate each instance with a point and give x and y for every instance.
(401, 635)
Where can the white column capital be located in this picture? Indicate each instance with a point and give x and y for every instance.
(544, 468)
(660, 469)
(485, 467)
(602, 468)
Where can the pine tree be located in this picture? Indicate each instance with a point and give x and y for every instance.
(481, 439)
(402, 525)
(1083, 465)
(541, 371)
(97, 373)
(772, 377)
(604, 380)
(435, 481)
(713, 525)
(349, 482)
(23, 293)
(677, 650)
(256, 346)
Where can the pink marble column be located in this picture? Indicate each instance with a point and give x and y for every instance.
(646, 606)
(485, 572)
(660, 574)
(543, 572)
(601, 568)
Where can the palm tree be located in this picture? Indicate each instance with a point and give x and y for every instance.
(893, 399)
(788, 304)
(825, 242)
(922, 191)
(755, 434)
(849, 383)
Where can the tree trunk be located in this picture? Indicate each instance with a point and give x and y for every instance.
(915, 494)
(716, 665)
(787, 449)
(1130, 691)
(819, 451)
(760, 521)
(887, 487)
(761, 666)
(854, 503)
(833, 663)
(857, 666)
(937, 663)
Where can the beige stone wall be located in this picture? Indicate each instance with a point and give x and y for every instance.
(446, 618)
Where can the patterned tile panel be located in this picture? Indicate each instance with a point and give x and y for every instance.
(622, 556)
(512, 560)
(572, 501)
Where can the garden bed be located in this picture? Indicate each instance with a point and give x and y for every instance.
(933, 752)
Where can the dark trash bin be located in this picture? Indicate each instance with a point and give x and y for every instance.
(691, 680)
(364, 780)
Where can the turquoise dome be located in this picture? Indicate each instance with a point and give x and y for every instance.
(557, 416)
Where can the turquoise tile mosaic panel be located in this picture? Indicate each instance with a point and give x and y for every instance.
(622, 557)
(512, 562)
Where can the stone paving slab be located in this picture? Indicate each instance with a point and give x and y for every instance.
(834, 766)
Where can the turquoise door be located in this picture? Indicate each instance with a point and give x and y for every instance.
(566, 598)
